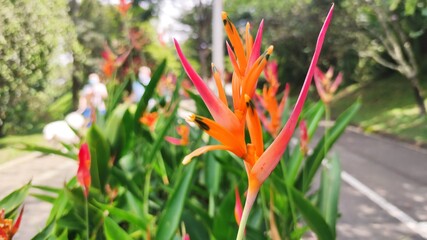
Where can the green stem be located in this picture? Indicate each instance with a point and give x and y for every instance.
(211, 205)
(250, 199)
(327, 120)
(147, 190)
(87, 217)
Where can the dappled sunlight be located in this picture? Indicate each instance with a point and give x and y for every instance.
(404, 122)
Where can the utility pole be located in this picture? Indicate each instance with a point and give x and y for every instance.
(217, 36)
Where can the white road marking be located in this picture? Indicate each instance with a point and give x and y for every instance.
(417, 227)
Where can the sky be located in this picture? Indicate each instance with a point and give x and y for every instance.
(166, 23)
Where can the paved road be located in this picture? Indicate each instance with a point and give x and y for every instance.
(384, 190)
(46, 170)
(383, 196)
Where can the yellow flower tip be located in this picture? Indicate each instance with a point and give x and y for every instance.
(248, 25)
(270, 50)
(224, 16)
(213, 68)
(191, 118)
(186, 160)
(247, 98)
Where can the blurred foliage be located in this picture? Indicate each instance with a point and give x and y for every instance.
(392, 33)
(292, 28)
(48, 48)
(140, 190)
(27, 41)
(199, 19)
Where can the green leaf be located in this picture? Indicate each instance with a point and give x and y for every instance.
(312, 216)
(194, 226)
(202, 109)
(59, 207)
(171, 216)
(72, 221)
(161, 136)
(44, 197)
(64, 235)
(330, 191)
(124, 215)
(324, 145)
(313, 117)
(126, 182)
(100, 156)
(45, 150)
(113, 126)
(175, 95)
(116, 95)
(394, 4)
(113, 231)
(212, 173)
(47, 188)
(410, 6)
(45, 233)
(224, 224)
(15, 199)
(148, 93)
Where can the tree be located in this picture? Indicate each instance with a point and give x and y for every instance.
(93, 27)
(387, 27)
(199, 18)
(29, 32)
(292, 27)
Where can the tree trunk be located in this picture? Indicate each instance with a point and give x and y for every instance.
(2, 134)
(419, 99)
(75, 91)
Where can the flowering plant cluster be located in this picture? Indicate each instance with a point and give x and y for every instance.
(138, 178)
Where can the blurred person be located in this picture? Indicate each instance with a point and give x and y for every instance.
(64, 131)
(138, 87)
(92, 98)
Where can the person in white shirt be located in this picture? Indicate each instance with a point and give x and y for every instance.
(138, 87)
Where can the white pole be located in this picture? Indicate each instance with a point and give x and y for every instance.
(217, 36)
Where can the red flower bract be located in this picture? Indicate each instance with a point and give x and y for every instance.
(83, 172)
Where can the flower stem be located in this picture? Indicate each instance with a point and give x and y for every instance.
(87, 218)
(250, 199)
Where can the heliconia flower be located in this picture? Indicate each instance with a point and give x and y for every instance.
(228, 127)
(124, 6)
(7, 229)
(149, 119)
(83, 172)
(111, 61)
(266, 163)
(325, 87)
(269, 102)
(303, 137)
(184, 132)
(238, 210)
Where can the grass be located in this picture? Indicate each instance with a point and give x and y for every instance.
(8, 153)
(388, 107)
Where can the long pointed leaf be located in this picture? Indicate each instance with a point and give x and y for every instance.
(171, 217)
(113, 231)
(326, 143)
(100, 156)
(149, 91)
(312, 216)
(330, 191)
(15, 199)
